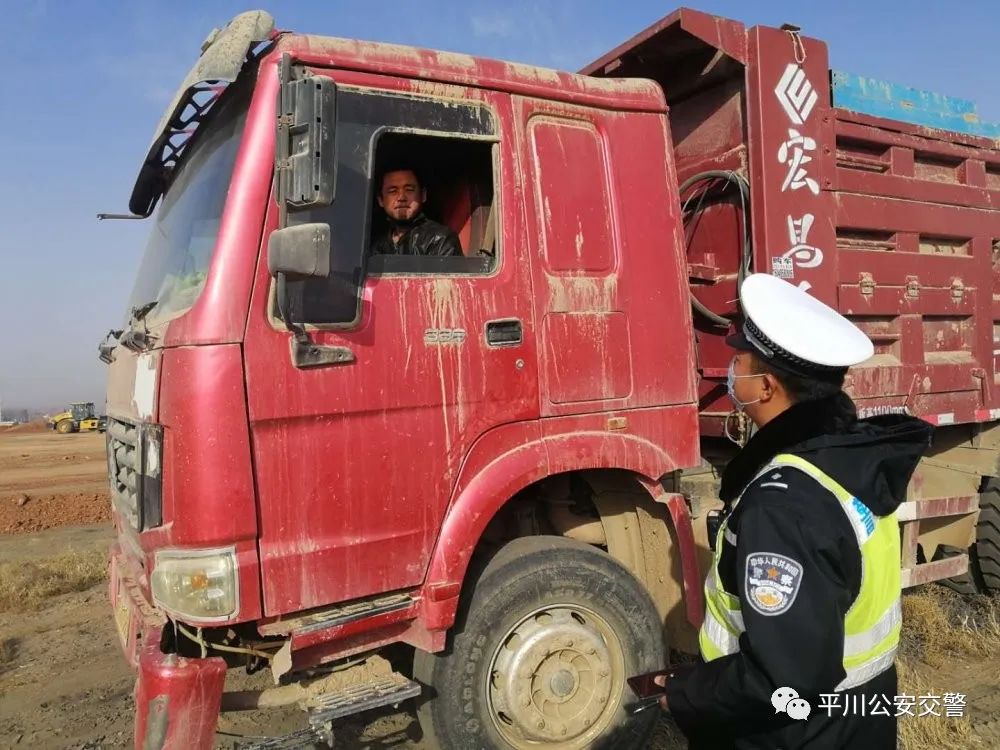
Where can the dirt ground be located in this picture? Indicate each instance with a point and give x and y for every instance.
(49, 480)
(65, 684)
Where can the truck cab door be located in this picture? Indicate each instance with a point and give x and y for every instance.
(356, 460)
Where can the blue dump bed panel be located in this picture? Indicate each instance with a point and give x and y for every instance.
(883, 99)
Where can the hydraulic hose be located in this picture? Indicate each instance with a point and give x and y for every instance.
(743, 188)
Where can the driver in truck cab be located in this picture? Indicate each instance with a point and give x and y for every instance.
(402, 196)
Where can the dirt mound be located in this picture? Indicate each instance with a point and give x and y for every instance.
(37, 425)
(48, 511)
(49, 480)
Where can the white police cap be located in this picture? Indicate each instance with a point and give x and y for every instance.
(793, 331)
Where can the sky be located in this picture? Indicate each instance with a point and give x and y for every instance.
(86, 83)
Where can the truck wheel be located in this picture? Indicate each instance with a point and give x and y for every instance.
(983, 576)
(64, 426)
(540, 652)
(966, 584)
(986, 550)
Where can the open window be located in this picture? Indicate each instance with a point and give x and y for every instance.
(457, 174)
(452, 143)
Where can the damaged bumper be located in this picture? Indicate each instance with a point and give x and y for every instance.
(177, 698)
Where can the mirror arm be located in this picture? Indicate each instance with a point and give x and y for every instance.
(305, 352)
(299, 332)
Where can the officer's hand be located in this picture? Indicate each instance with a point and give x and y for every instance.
(661, 680)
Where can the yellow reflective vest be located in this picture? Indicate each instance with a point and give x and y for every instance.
(874, 619)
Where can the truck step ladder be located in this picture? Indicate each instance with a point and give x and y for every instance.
(303, 738)
(325, 709)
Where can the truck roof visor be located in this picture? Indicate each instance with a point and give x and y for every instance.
(224, 54)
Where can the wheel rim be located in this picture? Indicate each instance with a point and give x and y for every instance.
(556, 679)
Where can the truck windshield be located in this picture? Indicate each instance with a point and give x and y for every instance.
(180, 246)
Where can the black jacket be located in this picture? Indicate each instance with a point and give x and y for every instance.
(726, 703)
(422, 237)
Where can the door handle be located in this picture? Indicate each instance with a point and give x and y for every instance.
(504, 332)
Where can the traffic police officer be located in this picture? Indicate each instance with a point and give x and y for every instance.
(803, 598)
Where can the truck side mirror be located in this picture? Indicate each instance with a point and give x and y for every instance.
(305, 173)
(300, 252)
(297, 253)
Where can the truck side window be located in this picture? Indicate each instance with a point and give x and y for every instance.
(454, 140)
(455, 199)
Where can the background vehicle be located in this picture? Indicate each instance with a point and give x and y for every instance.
(80, 417)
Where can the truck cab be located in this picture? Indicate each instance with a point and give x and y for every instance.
(310, 443)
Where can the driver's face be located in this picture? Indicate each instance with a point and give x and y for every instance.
(401, 196)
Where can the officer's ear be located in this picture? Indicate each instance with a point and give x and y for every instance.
(770, 387)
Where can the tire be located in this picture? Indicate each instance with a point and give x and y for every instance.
(554, 623)
(64, 426)
(966, 584)
(986, 550)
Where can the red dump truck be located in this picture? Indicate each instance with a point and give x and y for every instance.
(481, 481)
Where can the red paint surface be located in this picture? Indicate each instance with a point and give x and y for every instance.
(188, 691)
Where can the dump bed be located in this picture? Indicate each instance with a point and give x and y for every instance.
(894, 223)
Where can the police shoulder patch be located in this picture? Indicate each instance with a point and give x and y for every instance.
(772, 582)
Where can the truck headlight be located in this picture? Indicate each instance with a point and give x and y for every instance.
(198, 584)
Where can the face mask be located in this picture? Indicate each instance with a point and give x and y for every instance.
(731, 379)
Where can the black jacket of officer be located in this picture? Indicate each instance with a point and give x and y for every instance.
(726, 703)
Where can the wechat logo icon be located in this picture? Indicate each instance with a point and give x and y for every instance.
(787, 700)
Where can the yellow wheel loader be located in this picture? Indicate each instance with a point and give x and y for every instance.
(80, 417)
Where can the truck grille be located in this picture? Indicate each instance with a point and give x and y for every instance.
(124, 468)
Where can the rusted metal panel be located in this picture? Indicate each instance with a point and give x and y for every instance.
(907, 104)
(935, 571)
(893, 223)
(911, 533)
(899, 300)
(894, 268)
(320, 634)
(939, 506)
(853, 181)
(722, 33)
(944, 138)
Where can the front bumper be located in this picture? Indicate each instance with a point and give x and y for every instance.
(177, 698)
